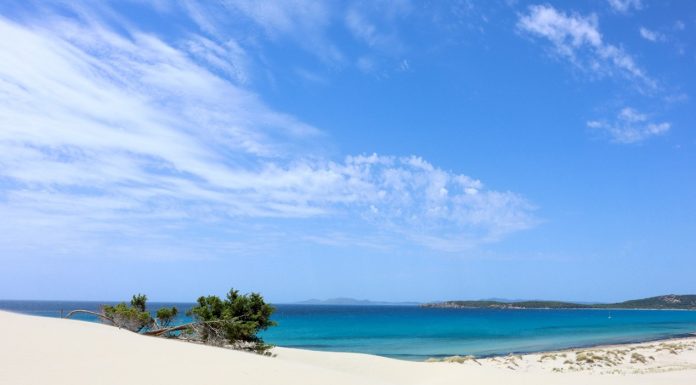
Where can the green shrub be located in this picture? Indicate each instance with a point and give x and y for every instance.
(166, 315)
(127, 317)
(234, 321)
(139, 301)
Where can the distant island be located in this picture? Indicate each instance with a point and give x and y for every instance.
(353, 302)
(664, 302)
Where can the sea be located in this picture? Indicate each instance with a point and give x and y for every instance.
(414, 333)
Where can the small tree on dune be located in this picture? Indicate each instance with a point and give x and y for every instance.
(234, 321)
(166, 315)
(135, 317)
(139, 301)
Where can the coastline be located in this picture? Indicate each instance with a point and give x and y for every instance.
(552, 308)
(681, 336)
(59, 351)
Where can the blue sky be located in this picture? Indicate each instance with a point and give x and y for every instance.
(391, 150)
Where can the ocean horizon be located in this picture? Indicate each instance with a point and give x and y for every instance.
(415, 333)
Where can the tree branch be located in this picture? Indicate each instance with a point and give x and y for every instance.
(185, 326)
(100, 315)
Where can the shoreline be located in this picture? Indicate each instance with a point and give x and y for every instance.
(682, 336)
(425, 358)
(551, 308)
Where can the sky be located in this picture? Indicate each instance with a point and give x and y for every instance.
(390, 150)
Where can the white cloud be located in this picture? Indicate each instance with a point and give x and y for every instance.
(359, 24)
(625, 6)
(630, 126)
(650, 35)
(230, 57)
(109, 140)
(303, 22)
(376, 25)
(287, 17)
(413, 197)
(577, 38)
(361, 28)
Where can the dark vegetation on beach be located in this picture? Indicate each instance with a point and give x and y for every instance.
(665, 302)
(232, 322)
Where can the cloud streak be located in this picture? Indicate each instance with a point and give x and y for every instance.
(630, 126)
(650, 35)
(114, 139)
(301, 22)
(577, 38)
(624, 6)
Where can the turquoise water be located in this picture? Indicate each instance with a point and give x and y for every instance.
(416, 333)
(409, 332)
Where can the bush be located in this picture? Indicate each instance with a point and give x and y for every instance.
(166, 315)
(139, 302)
(127, 317)
(135, 317)
(234, 321)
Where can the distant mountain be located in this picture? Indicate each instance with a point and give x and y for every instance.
(353, 301)
(671, 301)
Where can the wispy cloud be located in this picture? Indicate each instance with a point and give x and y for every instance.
(363, 29)
(577, 38)
(630, 126)
(375, 26)
(307, 24)
(301, 22)
(288, 17)
(651, 35)
(111, 139)
(385, 38)
(228, 57)
(624, 6)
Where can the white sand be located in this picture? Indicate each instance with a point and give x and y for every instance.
(49, 351)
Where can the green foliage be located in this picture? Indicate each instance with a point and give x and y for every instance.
(128, 317)
(166, 315)
(139, 302)
(236, 320)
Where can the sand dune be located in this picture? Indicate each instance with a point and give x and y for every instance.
(49, 351)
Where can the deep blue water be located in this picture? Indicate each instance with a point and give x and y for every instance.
(411, 332)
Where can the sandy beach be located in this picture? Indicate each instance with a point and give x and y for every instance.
(39, 350)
